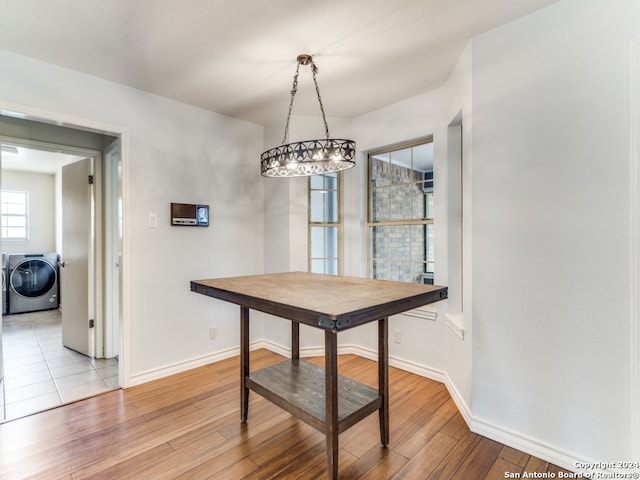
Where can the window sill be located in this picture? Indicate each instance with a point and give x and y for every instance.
(426, 312)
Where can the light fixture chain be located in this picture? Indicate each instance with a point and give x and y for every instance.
(294, 89)
(305, 60)
(314, 70)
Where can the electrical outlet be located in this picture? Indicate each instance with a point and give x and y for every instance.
(396, 336)
(213, 331)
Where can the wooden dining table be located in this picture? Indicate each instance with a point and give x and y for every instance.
(329, 402)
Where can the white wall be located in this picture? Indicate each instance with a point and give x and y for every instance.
(544, 363)
(42, 227)
(551, 230)
(173, 153)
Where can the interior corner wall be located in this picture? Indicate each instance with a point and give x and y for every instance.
(458, 315)
(418, 117)
(551, 230)
(174, 153)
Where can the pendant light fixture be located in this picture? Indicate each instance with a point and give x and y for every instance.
(308, 157)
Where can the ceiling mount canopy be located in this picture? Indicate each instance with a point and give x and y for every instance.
(308, 157)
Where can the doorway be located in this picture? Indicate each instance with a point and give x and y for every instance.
(50, 370)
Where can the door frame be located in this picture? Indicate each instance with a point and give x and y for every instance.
(122, 133)
(96, 265)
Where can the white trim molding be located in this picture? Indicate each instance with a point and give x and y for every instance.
(456, 323)
(425, 312)
(634, 273)
(70, 121)
(179, 367)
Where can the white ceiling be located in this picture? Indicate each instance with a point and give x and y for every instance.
(237, 57)
(34, 160)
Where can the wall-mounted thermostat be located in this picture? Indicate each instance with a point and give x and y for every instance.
(189, 215)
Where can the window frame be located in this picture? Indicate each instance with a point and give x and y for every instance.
(3, 214)
(371, 224)
(313, 224)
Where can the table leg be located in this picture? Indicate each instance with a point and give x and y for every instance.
(383, 378)
(244, 363)
(331, 392)
(295, 340)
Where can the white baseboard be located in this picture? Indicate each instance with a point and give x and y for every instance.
(367, 353)
(548, 453)
(458, 399)
(180, 367)
(500, 434)
(477, 425)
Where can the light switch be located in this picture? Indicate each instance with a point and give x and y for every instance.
(152, 220)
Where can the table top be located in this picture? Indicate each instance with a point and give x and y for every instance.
(323, 301)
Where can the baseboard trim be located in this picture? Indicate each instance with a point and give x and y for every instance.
(482, 427)
(458, 399)
(477, 425)
(180, 367)
(370, 354)
(532, 446)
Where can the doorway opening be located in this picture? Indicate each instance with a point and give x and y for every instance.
(53, 354)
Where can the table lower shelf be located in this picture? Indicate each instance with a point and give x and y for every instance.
(299, 388)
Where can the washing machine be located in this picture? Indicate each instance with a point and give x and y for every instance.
(32, 282)
(4, 283)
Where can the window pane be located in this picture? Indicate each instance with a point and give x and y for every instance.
(379, 170)
(380, 204)
(331, 181)
(331, 214)
(317, 266)
(430, 243)
(316, 208)
(316, 182)
(14, 221)
(401, 201)
(317, 242)
(401, 272)
(14, 209)
(428, 205)
(418, 247)
(331, 242)
(379, 242)
(13, 197)
(400, 242)
(380, 270)
(402, 161)
(332, 266)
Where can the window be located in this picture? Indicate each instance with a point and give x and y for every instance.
(325, 223)
(400, 218)
(15, 215)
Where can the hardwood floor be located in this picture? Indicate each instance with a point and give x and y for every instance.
(187, 426)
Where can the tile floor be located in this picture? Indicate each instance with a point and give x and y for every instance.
(40, 373)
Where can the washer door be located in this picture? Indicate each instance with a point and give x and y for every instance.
(32, 278)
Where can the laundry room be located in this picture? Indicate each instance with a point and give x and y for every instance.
(42, 368)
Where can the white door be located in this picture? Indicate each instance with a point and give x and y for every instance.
(76, 256)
